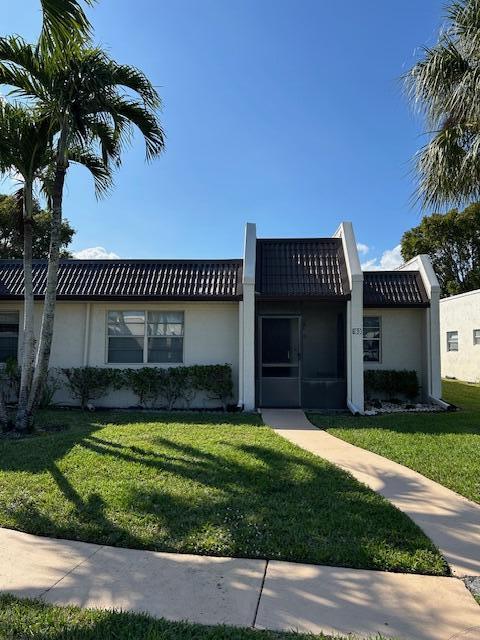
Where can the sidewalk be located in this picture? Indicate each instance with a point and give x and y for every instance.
(451, 521)
(240, 592)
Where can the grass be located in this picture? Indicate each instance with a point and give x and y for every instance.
(201, 483)
(442, 446)
(32, 619)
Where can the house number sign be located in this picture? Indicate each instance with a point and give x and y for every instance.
(356, 331)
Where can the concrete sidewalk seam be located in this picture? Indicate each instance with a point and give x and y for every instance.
(74, 568)
(260, 594)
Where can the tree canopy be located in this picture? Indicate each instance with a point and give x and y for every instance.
(11, 224)
(452, 240)
(444, 87)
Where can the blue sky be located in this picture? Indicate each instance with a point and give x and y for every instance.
(287, 113)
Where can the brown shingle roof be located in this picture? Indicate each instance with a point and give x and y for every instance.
(394, 289)
(130, 279)
(307, 268)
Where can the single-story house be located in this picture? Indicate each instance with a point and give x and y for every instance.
(296, 318)
(460, 336)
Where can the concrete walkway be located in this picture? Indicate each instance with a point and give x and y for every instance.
(245, 593)
(451, 521)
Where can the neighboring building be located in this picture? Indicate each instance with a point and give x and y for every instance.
(460, 336)
(297, 319)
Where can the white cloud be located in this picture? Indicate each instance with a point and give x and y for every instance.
(363, 249)
(389, 260)
(94, 253)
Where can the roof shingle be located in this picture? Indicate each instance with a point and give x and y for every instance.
(309, 268)
(394, 289)
(130, 279)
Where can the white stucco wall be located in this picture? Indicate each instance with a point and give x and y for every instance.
(402, 341)
(211, 337)
(460, 313)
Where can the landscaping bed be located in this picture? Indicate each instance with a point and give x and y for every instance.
(443, 446)
(215, 484)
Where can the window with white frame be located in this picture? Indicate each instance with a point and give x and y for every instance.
(145, 336)
(476, 336)
(9, 321)
(372, 338)
(452, 340)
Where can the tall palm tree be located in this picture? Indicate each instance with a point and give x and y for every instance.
(445, 87)
(26, 150)
(90, 100)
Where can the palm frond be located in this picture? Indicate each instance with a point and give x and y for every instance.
(445, 87)
(64, 21)
(464, 22)
(131, 112)
(25, 140)
(448, 168)
(101, 173)
(21, 68)
(133, 79)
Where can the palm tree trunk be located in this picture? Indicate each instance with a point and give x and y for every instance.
(22, 421)
(48, 316)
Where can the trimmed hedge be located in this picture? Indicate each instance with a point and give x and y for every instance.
(153, 386)
(91, 383)
(391, 383)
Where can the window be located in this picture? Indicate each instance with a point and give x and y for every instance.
(8, 335)
(145, 336)
(372, 333)
(476, 336)
(452, 340)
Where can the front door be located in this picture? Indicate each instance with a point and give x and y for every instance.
(279, 361)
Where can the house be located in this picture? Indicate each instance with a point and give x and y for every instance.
(460, 336)
(296, 318)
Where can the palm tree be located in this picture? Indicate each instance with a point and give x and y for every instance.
(26, 150)
(444, 86)
(90, 100)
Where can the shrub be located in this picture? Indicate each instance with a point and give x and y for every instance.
(151, 383)
(177, 385)
(146, 383)
(50, 388)
(91, 383)
(11, 379)
(215, 380)
(391, 383)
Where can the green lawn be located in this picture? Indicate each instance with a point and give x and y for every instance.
(441, 446)
(200, 483)
(22, 619)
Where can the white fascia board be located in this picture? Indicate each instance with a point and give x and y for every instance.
(423, 264)
(347, 235)
(249, 253)
(475, 292)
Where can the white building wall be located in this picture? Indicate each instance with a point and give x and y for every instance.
(460, 313)
(211, 337)
(403, 342)
(354, 342)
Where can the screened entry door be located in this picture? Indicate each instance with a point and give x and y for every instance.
(279, 361)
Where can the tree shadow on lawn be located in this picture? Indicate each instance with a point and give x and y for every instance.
(324, 517)
(256, 500)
